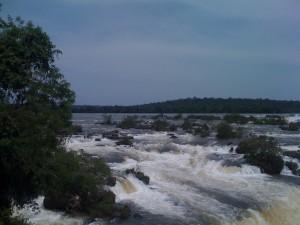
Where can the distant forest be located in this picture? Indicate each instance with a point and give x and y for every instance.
(199, 105)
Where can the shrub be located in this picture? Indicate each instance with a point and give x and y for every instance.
(224, 131)
(187, 125)
(203, 130)
(263, 152)
(161, 125)
(236, 118)
(139, 175)
(129, 122)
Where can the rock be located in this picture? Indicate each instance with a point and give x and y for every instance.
(111, 181)
(113, 135)
(97, 139)
(125, 141)
(137, 216)
(293, 154)
(228, 159)
(270, 163)
(263, 152)
(293, 167)
(139, 175)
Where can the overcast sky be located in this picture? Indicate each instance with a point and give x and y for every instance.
(140, 51)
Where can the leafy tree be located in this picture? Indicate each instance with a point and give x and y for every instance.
(35, 103)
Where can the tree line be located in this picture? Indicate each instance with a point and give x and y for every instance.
(199, 105)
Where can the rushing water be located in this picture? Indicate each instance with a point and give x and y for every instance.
(192, 180)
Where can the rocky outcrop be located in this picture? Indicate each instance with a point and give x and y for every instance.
(263, 152)
(293, 154)
(139, 175)
(293, 167)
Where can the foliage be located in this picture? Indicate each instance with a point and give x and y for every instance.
(198, 105)
(236, 118)
(293, 126)
(7, 219)
(203, 130)
(35, 117)
(264, 152)
(224, 131)
(129, 122)
(139, 175)
(76, 129)
(177, 117)
(35, 103)
(187, 125)
(160, 125)
(204, 117)
(125, 141)
(107, 119)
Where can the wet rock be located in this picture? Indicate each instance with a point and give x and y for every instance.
(127, 140)
(263, 152)
(293, 167)
(228, 159)
(293, 154)
(137, 216)
(113, 135)
(139, 175)
(111, 181)
(173, 136)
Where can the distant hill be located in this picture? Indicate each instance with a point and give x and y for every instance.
(199, 105)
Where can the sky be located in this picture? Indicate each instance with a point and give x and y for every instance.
(126, 52)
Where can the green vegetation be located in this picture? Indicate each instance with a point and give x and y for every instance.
(161, 125)
(35, 115)
(263, 152)
(139, 175)
(129, 122)
(187, 125)
(225, 131)
(125, 141)
(236, 118)
(203, 130)
(293, 126)
(198, 105)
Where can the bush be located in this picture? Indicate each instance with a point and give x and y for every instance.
(235, 118)
(291, 127)
(161, 125)
(203, 131)
(139, 175)
(187, 125)
(129, 122)
(76, 129)
(224, 131)
(263, 152)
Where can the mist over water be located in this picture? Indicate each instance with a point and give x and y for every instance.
(190, 183)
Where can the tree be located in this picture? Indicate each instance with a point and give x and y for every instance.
(35, 104)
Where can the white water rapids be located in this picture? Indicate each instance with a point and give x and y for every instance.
(188, 185)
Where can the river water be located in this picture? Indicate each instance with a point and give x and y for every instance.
(193, 180)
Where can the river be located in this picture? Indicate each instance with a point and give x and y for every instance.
(192, 179)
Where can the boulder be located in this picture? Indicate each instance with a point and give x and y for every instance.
(293, 154)
(293, 167)
(263, 152)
